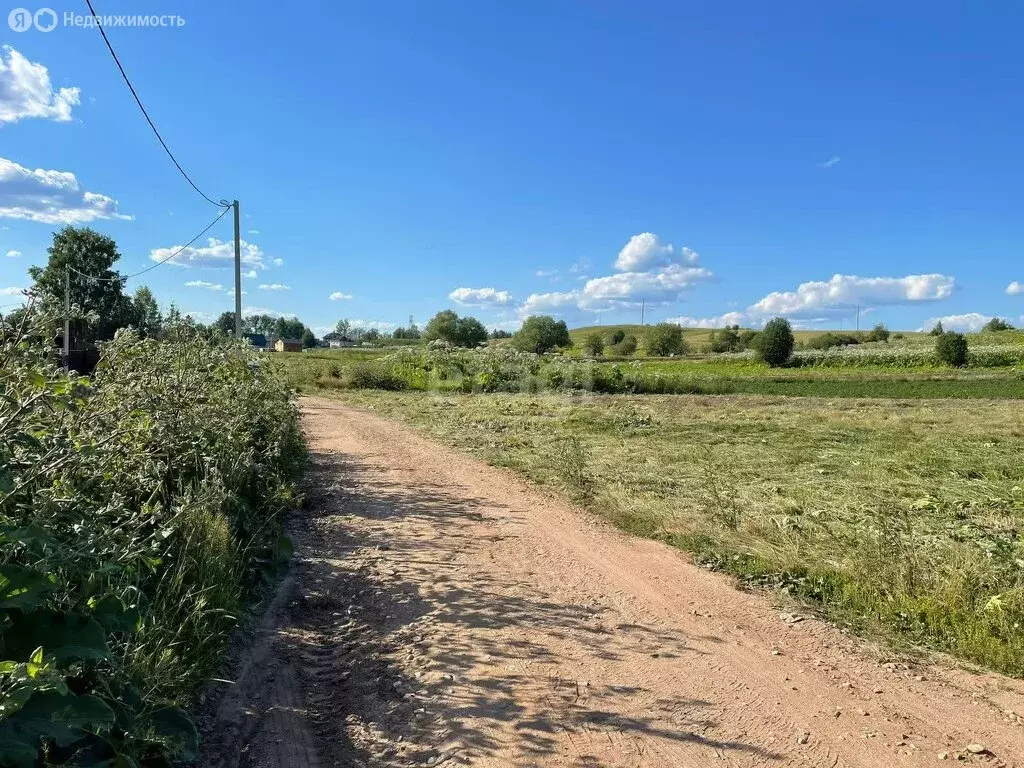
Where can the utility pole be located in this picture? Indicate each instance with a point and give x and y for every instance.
(67, 319)
(858, 317)
(643, 305)
(238, 274)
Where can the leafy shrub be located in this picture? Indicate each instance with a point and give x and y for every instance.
(626, 347)
(540, 334)
(376, 374)
(615, 337)
(830, 340)
(951, 349)
(878, 333)
(593, 345)
(138, 511)
(664, 339)
(775, 343)
(457, 331)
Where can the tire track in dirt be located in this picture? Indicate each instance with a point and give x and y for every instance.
(442, 612)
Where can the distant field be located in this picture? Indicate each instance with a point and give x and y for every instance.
(894, 516)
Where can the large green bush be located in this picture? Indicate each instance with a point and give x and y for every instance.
(951, 349)
(138, 512)
(540, 334)
(664, 339)
(775, 342)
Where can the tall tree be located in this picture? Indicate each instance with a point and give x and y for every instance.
(147, 313)
(343, 327)
(87, 257)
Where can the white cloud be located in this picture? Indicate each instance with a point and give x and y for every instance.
(971, 321)
(215, 254)
(278, 262)
(545, 273)
(274, 287)
(254, 231)
(719, 321)
(50, 197)
(645, 251)
(339, 296)
(13, 254)
(844, 292)
(12, 291)
(481, 297)
(628, 288)
(204, 284)
(26, 92)
(830, 163)
(1013, 289)
(548, 302)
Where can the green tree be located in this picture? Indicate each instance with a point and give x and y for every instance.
(87, 257)
(593, 345)
(225, 323)
(937, 329)
(289, 328)
(147, 313)
(343, 327)
(540, 334)
(664, 339)
(308, 338)
(775, 342)
(951, 349)
(459, 331)
(997, 324)
(264, 324)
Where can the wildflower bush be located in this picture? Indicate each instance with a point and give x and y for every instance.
(139, 510)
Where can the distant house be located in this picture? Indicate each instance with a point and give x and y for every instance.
(336, 340)
(288, 345)
(258, 340)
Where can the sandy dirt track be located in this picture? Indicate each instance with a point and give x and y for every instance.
(443, 612)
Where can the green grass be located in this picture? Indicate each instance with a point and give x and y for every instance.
(895, 517)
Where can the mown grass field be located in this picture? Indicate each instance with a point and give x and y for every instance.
(894, 517)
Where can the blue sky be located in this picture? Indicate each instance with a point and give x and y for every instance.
(717, 161)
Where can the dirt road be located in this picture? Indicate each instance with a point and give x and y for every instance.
(442, 612)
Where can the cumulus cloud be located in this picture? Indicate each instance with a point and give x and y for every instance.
(552, 302)
(204, 284)
(278, 262)
(645, 251)
(274, 287)
(339, 296)
(250, 311)
(971, 321)
(26, 92)
(215, 254)
(12, 291)
(843, 292)
(251, 274)
(481, 297)
(50, 197)
(718, 321)
(628, 288)
(1013, 289)
(380, 325)
(13, 254)
(818, 301)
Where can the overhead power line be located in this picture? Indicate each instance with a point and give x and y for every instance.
(222, 203)
(159, 263)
